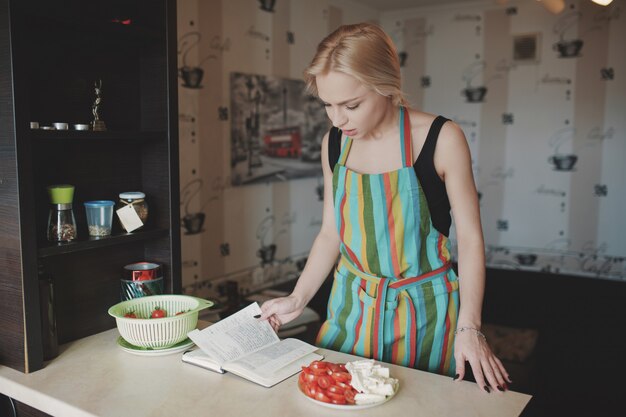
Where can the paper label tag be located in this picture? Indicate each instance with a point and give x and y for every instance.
(129, 218)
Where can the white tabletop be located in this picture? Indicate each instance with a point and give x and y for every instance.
(95, 377)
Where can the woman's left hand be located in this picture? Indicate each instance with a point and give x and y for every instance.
(470, 346)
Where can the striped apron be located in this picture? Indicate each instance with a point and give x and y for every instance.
(394, 296)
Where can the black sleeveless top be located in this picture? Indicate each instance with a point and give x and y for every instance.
(434, 188)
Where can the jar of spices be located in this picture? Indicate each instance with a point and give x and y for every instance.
(137, 200)
(61, 221)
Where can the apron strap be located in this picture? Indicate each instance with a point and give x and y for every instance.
(343, 156)
(406, 143)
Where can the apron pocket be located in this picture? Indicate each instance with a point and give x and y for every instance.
(365, 298)
(432, 289)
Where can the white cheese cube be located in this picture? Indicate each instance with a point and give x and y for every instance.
(381, 389)
(362, 399)
(371, 380)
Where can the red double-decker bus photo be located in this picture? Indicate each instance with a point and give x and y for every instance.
(283, 143)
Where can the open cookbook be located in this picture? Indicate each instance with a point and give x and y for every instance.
(249, 348)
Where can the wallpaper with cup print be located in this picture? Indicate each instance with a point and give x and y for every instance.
(545, 124)
(543, 121)
(251, 184)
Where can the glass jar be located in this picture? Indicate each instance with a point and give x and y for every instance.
(137, 200)
(61, 223)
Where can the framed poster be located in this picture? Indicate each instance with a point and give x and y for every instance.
(276, 129)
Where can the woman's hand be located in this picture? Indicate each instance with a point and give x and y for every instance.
(472, 347)
(279, 311)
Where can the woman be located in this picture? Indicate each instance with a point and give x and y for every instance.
(388, 192)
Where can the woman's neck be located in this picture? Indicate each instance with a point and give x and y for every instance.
(388, 123)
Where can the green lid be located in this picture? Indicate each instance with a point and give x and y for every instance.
(61, 193)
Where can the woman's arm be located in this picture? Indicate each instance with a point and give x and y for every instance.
(453, 163)
(325, 249)
(321, 260)
(452, 157)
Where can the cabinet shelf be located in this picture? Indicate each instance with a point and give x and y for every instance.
(114, 240)
(51, 55)
(77, 135)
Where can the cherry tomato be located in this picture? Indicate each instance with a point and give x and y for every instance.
(333, 367)
(309, 377)
(336, 389)
(327, 382)
(321, 396)
(131, 315)
(180, 312)
(318, 365)
(318, 368)
(158, 313)
(304, 387)
(336, 397)
(324, 381)
(341, 376)
(319, 371)
(349, 395)
(343, 385)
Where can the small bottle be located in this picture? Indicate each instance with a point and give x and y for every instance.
(137, 200)
(61, 221)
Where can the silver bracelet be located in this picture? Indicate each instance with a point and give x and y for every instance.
(476, 331)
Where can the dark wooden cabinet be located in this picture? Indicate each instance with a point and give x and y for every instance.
(51, 54)
(13, 408)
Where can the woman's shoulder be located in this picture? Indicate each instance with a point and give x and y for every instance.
(421, 122)
(450, 141)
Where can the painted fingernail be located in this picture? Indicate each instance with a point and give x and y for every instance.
(487, 389)
(456, 377)
(500, 388)
(258, 316)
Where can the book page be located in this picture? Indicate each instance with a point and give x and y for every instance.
(274, 357)
(272, 377)
(235, 336)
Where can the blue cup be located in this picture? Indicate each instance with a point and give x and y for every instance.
(99, 217)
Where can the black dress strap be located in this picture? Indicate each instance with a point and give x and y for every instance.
(427, 154)
(334, 146)
(434, 188)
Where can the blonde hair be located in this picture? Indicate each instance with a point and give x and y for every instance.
(363, 51)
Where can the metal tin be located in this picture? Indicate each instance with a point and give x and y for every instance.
(143, 288)
(142, 271)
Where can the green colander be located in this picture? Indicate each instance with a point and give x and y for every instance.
(158, 333)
